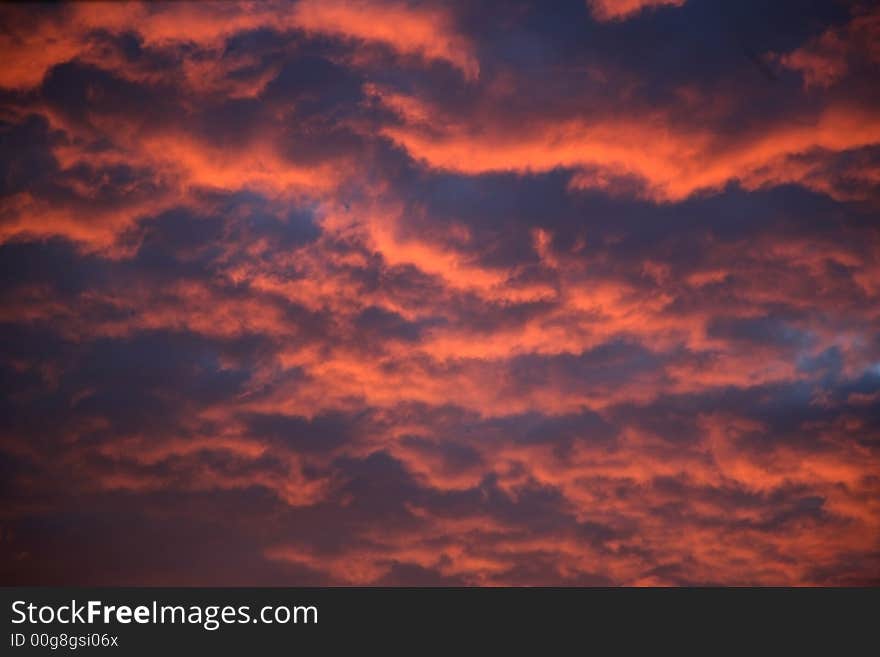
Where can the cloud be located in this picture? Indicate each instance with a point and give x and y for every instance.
(666, 161)
(611, 10)
(417, 293)
(838, 51)
(425, 32)
(53, 36)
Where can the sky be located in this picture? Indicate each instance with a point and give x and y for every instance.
(421, 293)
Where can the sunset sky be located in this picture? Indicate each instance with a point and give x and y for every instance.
(486, 293)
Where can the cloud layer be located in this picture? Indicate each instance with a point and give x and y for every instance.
(466, 293)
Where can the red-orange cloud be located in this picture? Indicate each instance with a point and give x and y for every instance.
(610, 10)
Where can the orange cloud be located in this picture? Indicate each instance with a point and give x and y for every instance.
(39, 44)
(611, 10)
(673, 161)
(826, 59)
(424, 32)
